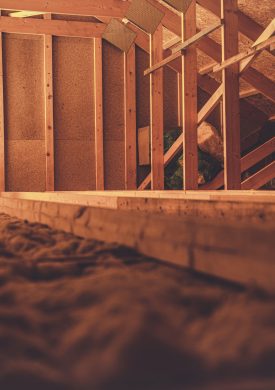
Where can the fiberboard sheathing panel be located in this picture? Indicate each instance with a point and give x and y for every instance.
(23, 87)
(25, 165)
(144, 15)
(74, 122)
(180, 5)
(113, 111)
(119, 35)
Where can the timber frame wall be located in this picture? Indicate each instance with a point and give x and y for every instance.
(181, 58)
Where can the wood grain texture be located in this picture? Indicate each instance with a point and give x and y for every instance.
(190, 102)
(49, 121)
(98, 92)
(130, 119)
(2, 120)
(157, 106)
(51, 27)
(231, 104)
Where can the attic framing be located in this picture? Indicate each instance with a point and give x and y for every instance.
(180, 55)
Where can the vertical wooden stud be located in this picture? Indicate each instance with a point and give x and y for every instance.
(190, 102)
(98, 79)
(2, 120)
(49, 120)
(179, 82)
(231, 103)
(130, 119)
(156, 105)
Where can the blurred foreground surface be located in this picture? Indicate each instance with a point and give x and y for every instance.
(80, 314)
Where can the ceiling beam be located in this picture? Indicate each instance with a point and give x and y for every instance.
(51, 27)
(113, 8)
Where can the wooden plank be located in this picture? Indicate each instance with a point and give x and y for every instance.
(26, 14)
(240, 58)
(231, 104)
(203, 245)
(130, 119)
(98, 92)
(260, 82)
(248, 161)
(49, 118)
(178, 144)
(190, 101)
(51, 27)
(2, 120)
(264, 37)
(113, 8)
(197, 37)
(178, 51)
(260, 178)
(156, 111)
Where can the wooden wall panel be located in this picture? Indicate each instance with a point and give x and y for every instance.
(24, 112)
(113, 109)
(74, 114)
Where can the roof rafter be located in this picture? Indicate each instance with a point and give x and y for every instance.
(113, 8)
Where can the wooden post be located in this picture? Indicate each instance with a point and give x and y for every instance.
(156, 105)
(49, 121)
(231, 103)
(99, 156)
(2, 121)
(130, 119)
(190, 102)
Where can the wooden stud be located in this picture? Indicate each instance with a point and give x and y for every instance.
(156, 105)
(231, 103)
(190, 103)
(130, 119)
(206, 110)
(49, 119)
(2, 120)
(99, 147)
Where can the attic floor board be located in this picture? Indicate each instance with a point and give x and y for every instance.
(231, 239)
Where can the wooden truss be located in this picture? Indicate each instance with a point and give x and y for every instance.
(180, 55)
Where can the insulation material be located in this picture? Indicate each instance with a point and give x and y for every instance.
(113, 111)
(25, 165)
(74, 114)
(74, 166)
(144, 15)
(180, 5)
(170, 99)
(24, 112)
(144, 146)
(143, 88)
(119, 35)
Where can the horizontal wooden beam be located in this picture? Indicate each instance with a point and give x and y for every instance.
(178, 51)
(239, 58)
(171, 238)
(51, 27)
(113, 8)
(25, 14)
